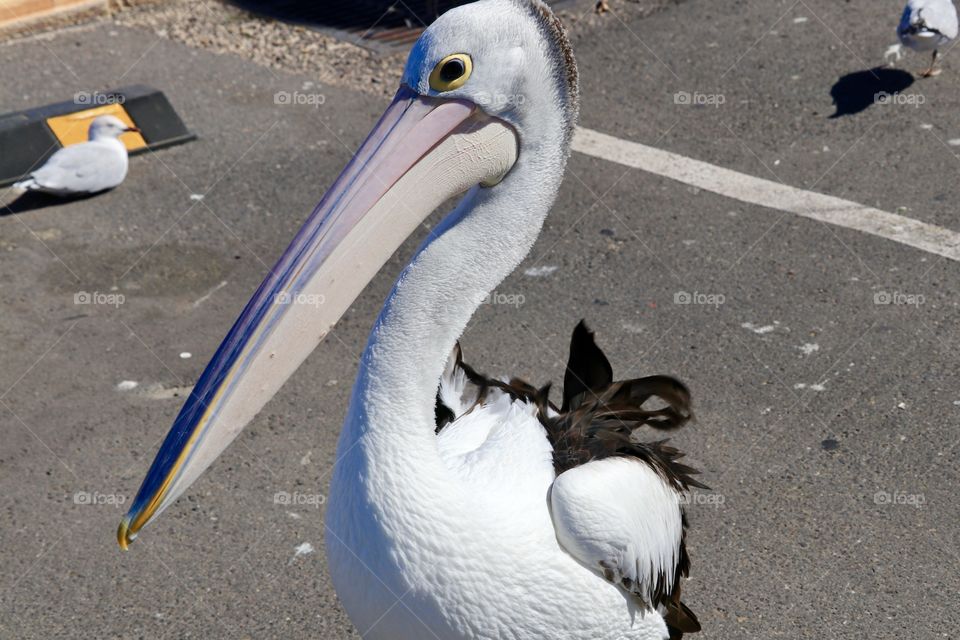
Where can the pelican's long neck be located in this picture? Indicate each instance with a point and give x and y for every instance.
(481, 242)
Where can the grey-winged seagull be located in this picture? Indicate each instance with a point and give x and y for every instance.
(928, 25)
(98, 164)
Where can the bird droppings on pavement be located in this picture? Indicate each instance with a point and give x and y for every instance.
(759, 330)
(127, 385)
(158, 391)
(302, 549)
(809, 348)
(540, 272)
(49, 234)
(206, 296)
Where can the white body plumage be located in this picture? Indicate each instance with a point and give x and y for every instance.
(496, 546)
(927, 25)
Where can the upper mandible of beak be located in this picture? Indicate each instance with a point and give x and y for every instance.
(421, 152)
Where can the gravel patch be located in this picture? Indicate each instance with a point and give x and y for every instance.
(223, 28)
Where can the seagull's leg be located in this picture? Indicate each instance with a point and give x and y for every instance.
(932, 71)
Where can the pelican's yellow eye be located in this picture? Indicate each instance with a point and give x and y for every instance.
(451, 72)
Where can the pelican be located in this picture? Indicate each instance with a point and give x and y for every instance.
(928, 25)
(461, 507)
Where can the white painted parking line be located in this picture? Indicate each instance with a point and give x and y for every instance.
(773, 195)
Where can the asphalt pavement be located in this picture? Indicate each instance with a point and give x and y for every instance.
(822, 361)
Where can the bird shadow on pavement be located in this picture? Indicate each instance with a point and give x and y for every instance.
(33, 200)
(858, 91)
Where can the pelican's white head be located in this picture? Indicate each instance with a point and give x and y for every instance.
(510, 58)
(488, 86)
(106, 127)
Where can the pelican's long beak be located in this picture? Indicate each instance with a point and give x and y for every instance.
(421, 152)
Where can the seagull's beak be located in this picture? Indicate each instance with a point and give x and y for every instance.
(131, 130)
(421, 152)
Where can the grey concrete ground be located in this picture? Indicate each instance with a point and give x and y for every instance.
(826, 422)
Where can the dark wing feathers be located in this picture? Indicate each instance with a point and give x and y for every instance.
(600, 418)
(679, 618)
(588, 370)
(444, 414)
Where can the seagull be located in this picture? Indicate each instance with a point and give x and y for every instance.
(98, 164)
(461, 506)
(928, 25)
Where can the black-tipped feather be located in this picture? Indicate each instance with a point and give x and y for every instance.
(588, 370)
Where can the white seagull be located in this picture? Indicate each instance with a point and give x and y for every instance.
(98, 164)
(928, 25)
(461, 507)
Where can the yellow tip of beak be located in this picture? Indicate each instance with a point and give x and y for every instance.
(123, 538)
